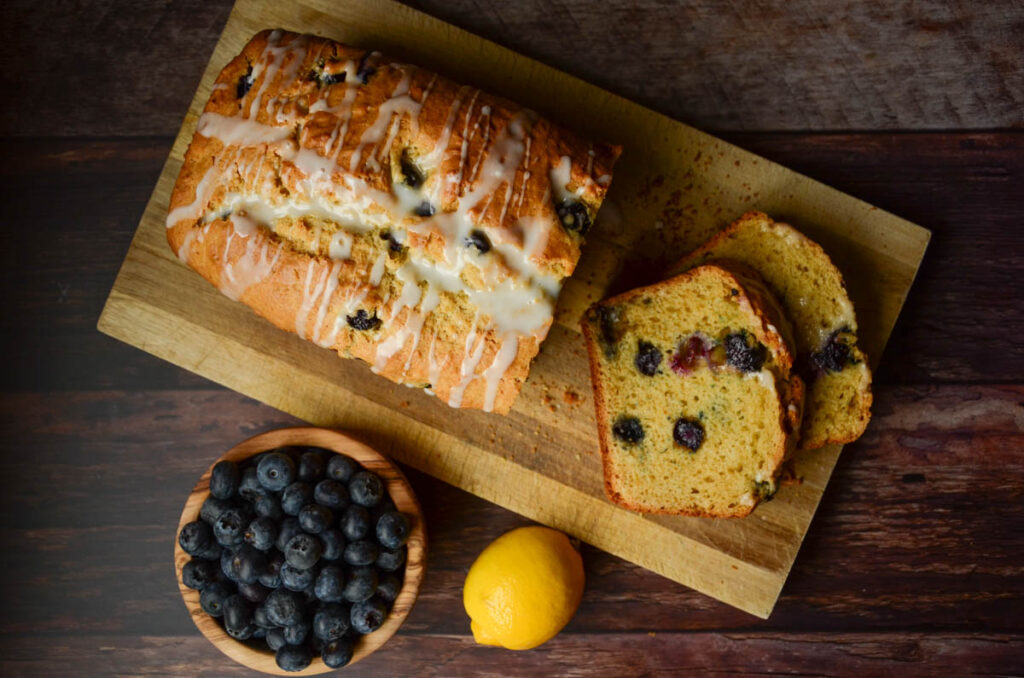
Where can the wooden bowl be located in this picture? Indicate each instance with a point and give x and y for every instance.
(401, 494)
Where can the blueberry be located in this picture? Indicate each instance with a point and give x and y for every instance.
(212, 598)
(284, 607)
(331, 493)
(259, 617)
(367, 616)
(314, 518)
(327, 79)
(227, 564)
(366, 489)
(212, 553)
(237, 612)
(390, 561)
(338, 652)
(331, 621)
(341, 468)
(355, 523)
(424, 209)
(360, 553)
(312, 466)
(388, 587)
(741, 355)
(243, 633)
(294, 579)
(275, 638)
(360, 584)
(573, 215)
(259, 633)
(608, 318)
(835, 354)
(255, 592)
(364, 69)
(363, 320)
(198, 574)
(288, 529)
(269, 506)
(230, 528)
(392, 530)
(765, 490)
(212, 508)
(261, 533)
(246, 564)
(293, 657)
(296, 634)
(271, 575)
(275, 471)
(648, 358)
(628, 429)
(196, 537)
(249, 488)
(330, 584)
(224, 479)
(244, 84)
(412, 175)
(295, 496)
(302, 551)
(253, 462)
(479, 240)
(688, 433)
(394, 245)
(334, 544)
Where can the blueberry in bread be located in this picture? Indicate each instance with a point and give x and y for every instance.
(387, 213)
(697, 406)
(813, 296)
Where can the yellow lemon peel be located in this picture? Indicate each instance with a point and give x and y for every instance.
(523, 588)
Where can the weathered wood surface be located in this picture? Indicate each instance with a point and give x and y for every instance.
(742, 65)
(741, 653)
(912, 565)
(914, 554)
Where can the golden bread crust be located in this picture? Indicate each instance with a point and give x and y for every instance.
(387, 213)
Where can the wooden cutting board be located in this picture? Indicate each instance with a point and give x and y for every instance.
(673, 187)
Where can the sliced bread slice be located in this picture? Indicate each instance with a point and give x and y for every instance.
(696, 404)
(813, 296)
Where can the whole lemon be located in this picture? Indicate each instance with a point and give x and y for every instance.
(523, 588)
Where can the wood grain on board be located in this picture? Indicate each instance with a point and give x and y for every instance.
(541, 460)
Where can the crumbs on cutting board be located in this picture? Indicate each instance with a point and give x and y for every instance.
(788, 476)
(571, 397)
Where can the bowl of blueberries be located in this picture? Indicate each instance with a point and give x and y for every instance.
(300, 551)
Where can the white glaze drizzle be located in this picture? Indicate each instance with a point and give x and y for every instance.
(509, 306)
(493, 375)
(310, 293)
(252, 267)
(325, 302)
(340, 247)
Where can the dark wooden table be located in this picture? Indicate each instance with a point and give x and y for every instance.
(915, 562)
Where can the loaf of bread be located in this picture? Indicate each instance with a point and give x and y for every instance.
(696, 403)
(813, 296)
(387, 213)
